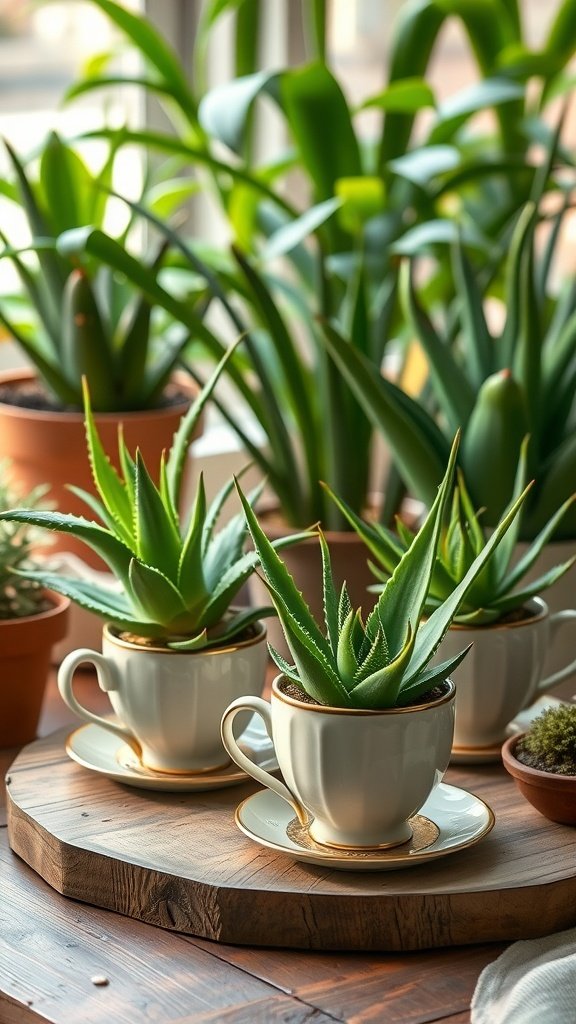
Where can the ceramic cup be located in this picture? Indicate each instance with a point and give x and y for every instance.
(354, 778)
(503, 671)
(169, 703)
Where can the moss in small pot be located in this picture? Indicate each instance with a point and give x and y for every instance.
(550, 743)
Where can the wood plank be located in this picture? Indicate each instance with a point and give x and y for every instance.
(50, 953)
(176, 860)
(411, 988)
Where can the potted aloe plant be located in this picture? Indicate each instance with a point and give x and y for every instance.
(74, 317)
(32, 620)
(362, 721)
(501, 616)
(542, 762)
(175, 649)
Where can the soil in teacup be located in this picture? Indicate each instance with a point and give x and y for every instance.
(161, 643)
(291, 689)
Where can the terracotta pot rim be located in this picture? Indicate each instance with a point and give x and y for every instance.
(60, 604)
(110, 632)
(70, 416)
(360, 712)
(531, 776)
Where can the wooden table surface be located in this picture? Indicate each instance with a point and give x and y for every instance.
(70, 963)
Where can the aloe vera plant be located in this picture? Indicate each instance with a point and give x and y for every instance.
(332, 257)
(501, 587)
(80, 318)
(177, 580)
(381, 660)
(497, 386)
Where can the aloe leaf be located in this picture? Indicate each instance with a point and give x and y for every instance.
(329, 598)
(504, 552)
(154, 49)
(455, 393)
(422, 682)
(346, 656)
(536, 547)
(431, 632)
(321, 126)
(157, 596)
(294, 232)
(555, 483)
(178, 452)
(157, 539)
(403, 597)
(49, 371)
(298, 385)
(381, 688)
(190, 571)
(477, 339)
(67, 184)
(380, 542)
(85, 348)
(112, 550)
(374, 657)
(278, 577)
(419, 447)
(315, 670)
(285, 667)
(193, 643)
(52, 268)
(108, 484)
(224, 112)
(214, 511)
(105, 603)
(508, 601)
(522, 237)
(415, 29)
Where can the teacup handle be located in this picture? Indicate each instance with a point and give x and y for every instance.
(557, 619)
(262, 708)
(106, 680)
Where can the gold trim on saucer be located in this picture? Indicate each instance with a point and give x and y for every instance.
(424, 833)
(141, 766)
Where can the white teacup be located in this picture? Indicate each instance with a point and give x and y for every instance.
(502, 673)
(169, 703)
(353, 777)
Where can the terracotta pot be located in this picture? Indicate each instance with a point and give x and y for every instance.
(25, 648)
(50, 447)
(304, 562)
(552, 795)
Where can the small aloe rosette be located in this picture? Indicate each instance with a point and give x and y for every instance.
(501, 587)
(383, 660)
(177, 581)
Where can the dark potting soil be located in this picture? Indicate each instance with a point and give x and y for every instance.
(32, 394)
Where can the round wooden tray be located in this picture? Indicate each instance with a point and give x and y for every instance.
(177, 860)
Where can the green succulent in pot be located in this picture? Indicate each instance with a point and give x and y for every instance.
(501, 587)
(74, 316)
(381, 660)
(178, 579)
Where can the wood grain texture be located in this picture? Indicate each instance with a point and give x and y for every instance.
(177, 860)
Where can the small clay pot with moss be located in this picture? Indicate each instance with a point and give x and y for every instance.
(542, 761)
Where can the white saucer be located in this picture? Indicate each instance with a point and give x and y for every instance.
(95, 748)
(493, 753)
(451, 819)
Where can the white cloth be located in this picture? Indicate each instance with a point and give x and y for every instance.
(532, 982)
